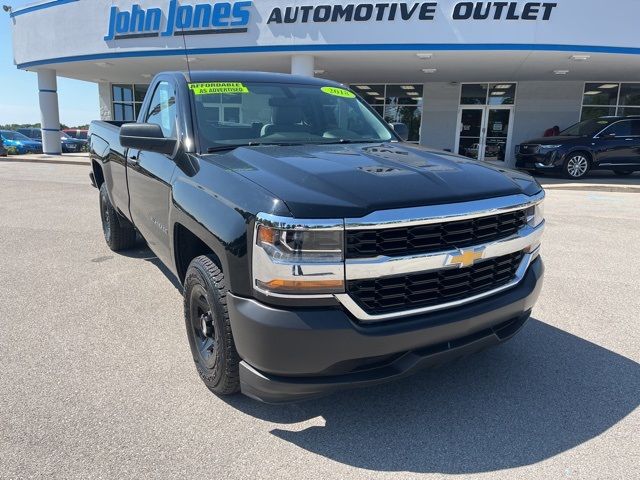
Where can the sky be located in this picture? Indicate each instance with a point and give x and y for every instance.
(19, 89)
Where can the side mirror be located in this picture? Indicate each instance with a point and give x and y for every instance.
(147, 137)
(402, 130)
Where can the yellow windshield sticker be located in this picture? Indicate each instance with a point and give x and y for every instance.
(338, 92)
(217, 88)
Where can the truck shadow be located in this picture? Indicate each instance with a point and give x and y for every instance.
(541, 394)
(142, 252)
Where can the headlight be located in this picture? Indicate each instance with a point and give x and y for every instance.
(535, 218)
(535, 214)
(298, 257)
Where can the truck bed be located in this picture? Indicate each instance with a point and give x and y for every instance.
(105, 138)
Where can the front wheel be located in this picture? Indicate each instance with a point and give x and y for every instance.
(577, 165)
(209, 328)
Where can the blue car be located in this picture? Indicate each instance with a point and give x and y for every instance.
(20, 142)
(68, 144)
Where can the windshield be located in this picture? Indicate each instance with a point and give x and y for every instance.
(235, 114)
(588, 128)
(15, 136)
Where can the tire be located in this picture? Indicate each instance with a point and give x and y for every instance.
(577, 165)
(623, 173)
(118, 232)
(205, 306)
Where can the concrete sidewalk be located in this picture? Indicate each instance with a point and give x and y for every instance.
(64, 159)
(596, 182)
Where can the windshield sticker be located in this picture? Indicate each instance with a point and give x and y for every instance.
(217, 88)
(338, 92)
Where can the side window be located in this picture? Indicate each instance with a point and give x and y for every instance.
(162, 110)
(620, 129)
(635, 128)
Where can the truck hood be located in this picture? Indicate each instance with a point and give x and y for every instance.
(336, 181)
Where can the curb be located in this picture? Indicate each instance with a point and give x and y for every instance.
(38, 160)
(595, 188)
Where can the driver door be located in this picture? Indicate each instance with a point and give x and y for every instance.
(150, 173)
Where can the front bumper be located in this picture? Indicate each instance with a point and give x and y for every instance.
(540, 162)
(296, 354)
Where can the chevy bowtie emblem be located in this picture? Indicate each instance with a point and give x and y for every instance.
(465, 258)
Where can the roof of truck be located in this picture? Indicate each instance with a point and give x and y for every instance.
(262, 77)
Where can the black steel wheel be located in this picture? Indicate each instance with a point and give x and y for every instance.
(203, 327)
(209, 328)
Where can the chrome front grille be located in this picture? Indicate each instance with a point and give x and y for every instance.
(433, 237)
(425, 289)
(405, 262)
(529, 149)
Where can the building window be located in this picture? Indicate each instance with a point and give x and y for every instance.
(488, 94)
(396, 104)
(609, 99)
(127, 100)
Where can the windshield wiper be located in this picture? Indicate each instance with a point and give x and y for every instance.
(226, 148)
(349, 141)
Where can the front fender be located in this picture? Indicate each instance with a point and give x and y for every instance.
(582, 148)
(219, 207)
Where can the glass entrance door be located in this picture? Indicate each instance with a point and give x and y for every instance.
(485, 132)
(497, 133)
(470, 135)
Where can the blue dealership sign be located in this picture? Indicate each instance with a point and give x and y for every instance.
(198, 19)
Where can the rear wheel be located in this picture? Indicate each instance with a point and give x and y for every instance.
(118, 232)
(577, 165)
(209, 328)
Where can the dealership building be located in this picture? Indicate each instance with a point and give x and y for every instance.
(475, 78)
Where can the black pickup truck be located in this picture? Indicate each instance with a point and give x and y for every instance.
(317, 250)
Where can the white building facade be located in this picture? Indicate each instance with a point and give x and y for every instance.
(473, 77)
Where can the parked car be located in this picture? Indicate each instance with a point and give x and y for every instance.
(490, 150)
(20, 142)
(3, 151)
(72, 145)
(605, 143)
(317, 250)
(76, 133)
(67, 143)
(32, 133)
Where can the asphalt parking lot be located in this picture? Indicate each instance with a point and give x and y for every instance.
(96, 379)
